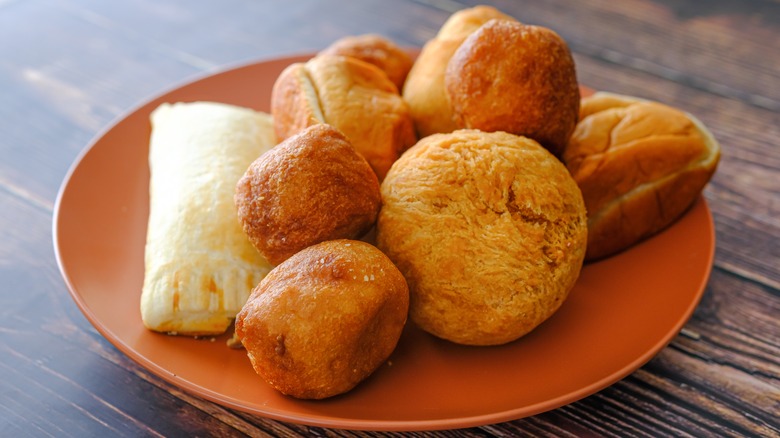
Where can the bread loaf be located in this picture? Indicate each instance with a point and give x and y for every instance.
(640, 166)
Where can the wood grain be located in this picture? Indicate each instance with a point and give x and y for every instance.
(68, 68)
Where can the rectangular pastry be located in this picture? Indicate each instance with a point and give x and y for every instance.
(199, 265)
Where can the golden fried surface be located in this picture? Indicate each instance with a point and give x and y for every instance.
(512, 77)
(311, 187)
(424, 88)
(325, 319)
(489, 230)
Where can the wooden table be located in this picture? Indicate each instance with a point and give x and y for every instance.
(68, 68)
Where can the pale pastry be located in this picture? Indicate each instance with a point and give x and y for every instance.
(199, 265)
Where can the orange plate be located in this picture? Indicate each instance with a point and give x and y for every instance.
(622, 311)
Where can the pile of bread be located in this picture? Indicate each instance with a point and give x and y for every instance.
(464, 188)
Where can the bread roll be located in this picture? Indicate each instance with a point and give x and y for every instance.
(517, 78)
(489, 230)
(199, 265)
(325, 319)
(640, 165)
(424, 89)
(376, 50)
(355, 97)
(311, 187)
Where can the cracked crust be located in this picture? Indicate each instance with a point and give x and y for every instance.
(489, 230)
(640, 166)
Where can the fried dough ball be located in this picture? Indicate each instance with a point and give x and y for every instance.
(310, 188)
(489, 230)
(424, 89)
(512, 77)
(325, 319)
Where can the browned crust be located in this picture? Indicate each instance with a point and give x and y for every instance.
(355, 97)
(376, 50)
(511, 77)
(358, 99)
(325, 319)
(294, 103)
(424, 88)
(310, 188)
(640, 166)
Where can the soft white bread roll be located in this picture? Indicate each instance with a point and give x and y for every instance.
(640, 166)
(199, 265)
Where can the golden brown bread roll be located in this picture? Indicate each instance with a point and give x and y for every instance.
(376, 50)
(311, 187)
(489, 230)
(424, 89)
(325, 319)
(355, 97)
(639, 164)
(517, 78)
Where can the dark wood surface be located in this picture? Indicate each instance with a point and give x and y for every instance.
(68, 68)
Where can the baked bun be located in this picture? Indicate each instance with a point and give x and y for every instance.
(354, 96)
(376, 50)
(512, 77)
(424, 89)
(640, 165)
(489, 230)
(309, 188)
(325, 319)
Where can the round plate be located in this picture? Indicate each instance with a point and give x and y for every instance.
(621, 312)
